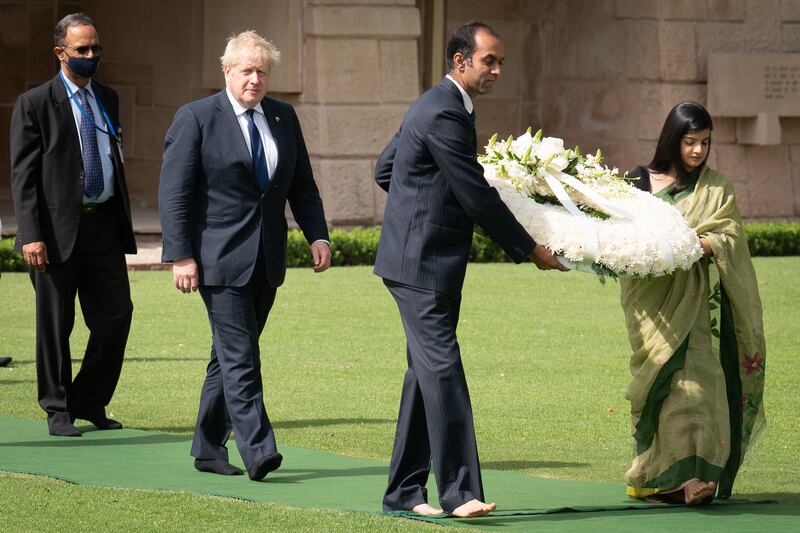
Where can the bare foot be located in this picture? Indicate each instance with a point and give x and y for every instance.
(473, 508)
(697, 492)
(426, 510)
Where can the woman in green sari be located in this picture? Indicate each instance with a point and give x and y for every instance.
(697, 336)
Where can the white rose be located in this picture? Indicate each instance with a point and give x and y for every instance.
(520, 145)
(558, 163)
(489, 171)
(515, 170)
(549, 147)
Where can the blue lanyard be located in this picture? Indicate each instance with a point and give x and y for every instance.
(109, 129)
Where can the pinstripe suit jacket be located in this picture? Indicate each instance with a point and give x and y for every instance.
(437, 193)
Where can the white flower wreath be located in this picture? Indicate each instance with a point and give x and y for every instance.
(585, 212)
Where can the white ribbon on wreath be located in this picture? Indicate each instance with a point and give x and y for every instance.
(555, 179)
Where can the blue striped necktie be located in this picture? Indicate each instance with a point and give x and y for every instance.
(92, 167)
(257, 149)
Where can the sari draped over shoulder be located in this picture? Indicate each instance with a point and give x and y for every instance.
(698, 355)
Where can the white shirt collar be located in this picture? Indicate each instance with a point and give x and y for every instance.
(73, 88)
(467, 100)
(238, 108)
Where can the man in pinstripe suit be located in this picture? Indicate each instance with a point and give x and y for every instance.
(437, 194)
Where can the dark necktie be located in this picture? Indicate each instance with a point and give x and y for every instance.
(474, 118)
(257, 149)
(92, 167)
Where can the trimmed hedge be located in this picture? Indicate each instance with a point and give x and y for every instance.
(10, 261)
(773, 238)
(359, 245)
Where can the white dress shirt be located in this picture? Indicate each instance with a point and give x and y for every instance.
(267, 140)
(467, 100)
(103, 140)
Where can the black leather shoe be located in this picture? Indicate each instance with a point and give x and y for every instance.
(5, 361)
(64, 430)
(217, 466)
(100, 420)
(264, 466)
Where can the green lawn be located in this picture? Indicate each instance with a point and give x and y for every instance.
(545, 355)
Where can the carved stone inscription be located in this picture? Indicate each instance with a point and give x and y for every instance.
(781, 81)
(747, 85)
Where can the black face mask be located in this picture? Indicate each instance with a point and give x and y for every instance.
(83, 66)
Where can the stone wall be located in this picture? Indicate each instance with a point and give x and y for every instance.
(599, 73)
(26, 36)
(360, 72)
(359, 63)
(604, 73)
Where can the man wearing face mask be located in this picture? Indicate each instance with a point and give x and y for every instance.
(74, 227)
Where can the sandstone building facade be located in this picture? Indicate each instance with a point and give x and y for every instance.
(598, 73)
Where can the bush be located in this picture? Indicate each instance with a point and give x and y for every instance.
(485, 250)
(10, 261)
(773, 238)
(358, 246)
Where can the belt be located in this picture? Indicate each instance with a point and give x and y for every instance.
(90, 209)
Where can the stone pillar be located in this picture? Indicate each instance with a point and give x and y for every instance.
(360, 72)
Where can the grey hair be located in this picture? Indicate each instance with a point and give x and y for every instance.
(73, 19)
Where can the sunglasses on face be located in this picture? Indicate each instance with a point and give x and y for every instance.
(83, 50)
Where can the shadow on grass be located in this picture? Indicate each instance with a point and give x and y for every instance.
(296, 475)
(19, 362)
(789, 498)
(321, 422)
(162, 359)
(16, 381)
(287, 424)
(523, 465)
(78, 442)
(693, 516)
(75, 360)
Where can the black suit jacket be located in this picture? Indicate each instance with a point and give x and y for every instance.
(437, 193)
(47, 170)
(212, 208)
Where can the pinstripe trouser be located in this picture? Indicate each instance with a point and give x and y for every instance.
(434, 426)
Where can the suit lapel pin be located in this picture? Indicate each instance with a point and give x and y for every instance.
(277, 119)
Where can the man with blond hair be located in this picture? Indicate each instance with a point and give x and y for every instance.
(231, 162)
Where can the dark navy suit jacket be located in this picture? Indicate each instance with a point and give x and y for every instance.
(212, 208)
(437, 193)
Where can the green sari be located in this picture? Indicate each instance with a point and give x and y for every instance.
(698, 354)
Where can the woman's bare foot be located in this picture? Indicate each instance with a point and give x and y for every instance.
(696, 492)
(473, 508)
(426, 510)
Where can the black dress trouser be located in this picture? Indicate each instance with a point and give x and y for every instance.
(435, 423)
(232, 398)
(97, 273)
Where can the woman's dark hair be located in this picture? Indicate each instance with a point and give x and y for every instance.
(463, 41)
(684, 118)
